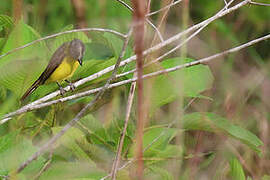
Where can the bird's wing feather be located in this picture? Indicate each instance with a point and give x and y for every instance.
(55, 61)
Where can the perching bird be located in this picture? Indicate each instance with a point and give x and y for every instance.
(61, 67)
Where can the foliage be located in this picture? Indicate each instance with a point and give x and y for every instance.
(204, 139)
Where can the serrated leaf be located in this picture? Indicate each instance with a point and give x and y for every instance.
(114, 132)
(95, 127)
(236, 170)
(71, 139)
(6, 23)
(214, 123)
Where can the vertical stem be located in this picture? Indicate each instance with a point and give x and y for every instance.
(185, 18)
(17, 10)
(79, 11)
(138, 20)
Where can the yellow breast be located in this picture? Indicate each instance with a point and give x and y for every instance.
(64, 71)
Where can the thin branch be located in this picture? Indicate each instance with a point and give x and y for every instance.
(128, 60)
(61, 33)
(147, 20)
(164, 8)
(122, 167)
(46, 166)
(259, 4)
(81, 113)
(92, 91)
(225, 2)
(122, 138)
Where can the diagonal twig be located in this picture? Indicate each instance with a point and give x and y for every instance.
(259, 4)
(147, 20)
(164, 8)
(122, 138)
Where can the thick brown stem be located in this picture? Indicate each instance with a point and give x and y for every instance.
(138, 21)
(79, 10)
(17, 10)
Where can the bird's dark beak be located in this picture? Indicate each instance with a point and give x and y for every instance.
(80, 61)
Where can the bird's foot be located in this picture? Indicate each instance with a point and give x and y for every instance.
(71, 85)
(62, 91)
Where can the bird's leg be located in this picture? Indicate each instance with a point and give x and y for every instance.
(62, 91)
(72, 87)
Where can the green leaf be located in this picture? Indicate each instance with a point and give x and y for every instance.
(96, 50)
(71, 139)
(14, 150)
(159, 173)
(156, 146)
(214, 123)
(162, 92)
(6, 22)
(18, 70)
(72, 170)
(3, 93)
(2, 41)
(192, 80)
(116, 44)
(187, 82)
(236, 170)
(98, 133)
(166, 135)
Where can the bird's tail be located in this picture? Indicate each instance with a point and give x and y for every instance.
(31, 89)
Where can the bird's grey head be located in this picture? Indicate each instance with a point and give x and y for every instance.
(76, 50)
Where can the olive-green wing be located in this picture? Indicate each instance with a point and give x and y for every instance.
(55, 61)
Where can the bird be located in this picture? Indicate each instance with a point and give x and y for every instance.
(61, 66)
